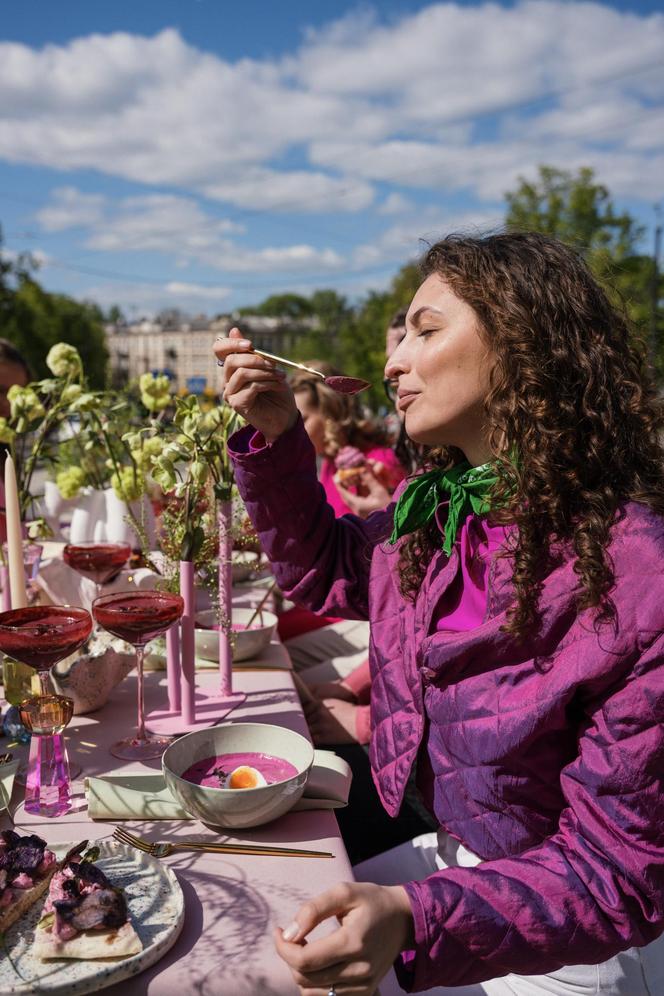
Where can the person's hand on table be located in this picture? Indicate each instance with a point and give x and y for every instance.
(331, 721)
(333, 690)
(375, 924)
(254, 387)
(373, 495)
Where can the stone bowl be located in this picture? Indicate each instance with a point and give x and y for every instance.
(237, 808)
(89, 679)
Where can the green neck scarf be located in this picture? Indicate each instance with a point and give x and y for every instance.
(468, 488)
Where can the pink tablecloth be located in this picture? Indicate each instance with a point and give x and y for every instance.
(232, 903)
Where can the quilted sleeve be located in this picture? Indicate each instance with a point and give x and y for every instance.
(593, 889)
(320, 562)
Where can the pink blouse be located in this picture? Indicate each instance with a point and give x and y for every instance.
(462, 607)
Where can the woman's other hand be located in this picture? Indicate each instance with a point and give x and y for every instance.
(332, 721)
(373, 495)
(375, 924)
(255, 387)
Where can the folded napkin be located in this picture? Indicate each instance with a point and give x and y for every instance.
(137, 796)
(7, 772)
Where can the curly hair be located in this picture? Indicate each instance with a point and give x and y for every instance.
(345, 424)
(573, 420)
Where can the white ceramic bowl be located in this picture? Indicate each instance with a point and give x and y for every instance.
(237, 808)
(244, 564)
(247, 642)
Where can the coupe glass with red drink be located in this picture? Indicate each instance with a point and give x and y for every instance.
(100, 562)
(41, 636)
(138, 617)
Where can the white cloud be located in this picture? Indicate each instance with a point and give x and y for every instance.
(395, 203)
(195, 290)
(161, 112)
(137, 299)
(176, 226)
(71, 208)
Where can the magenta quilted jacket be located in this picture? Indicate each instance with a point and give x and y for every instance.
(547, 756)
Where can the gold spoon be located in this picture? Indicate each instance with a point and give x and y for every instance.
(338, 382)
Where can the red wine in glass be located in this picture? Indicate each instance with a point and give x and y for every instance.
(138, 617)
(42, 635)
(100, 562)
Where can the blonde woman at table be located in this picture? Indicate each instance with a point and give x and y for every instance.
(517, 635)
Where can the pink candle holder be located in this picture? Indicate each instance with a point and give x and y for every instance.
(48, 784)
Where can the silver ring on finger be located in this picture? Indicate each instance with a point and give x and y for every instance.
(220, 363)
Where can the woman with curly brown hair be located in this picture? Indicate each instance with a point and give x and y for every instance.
(517, 622)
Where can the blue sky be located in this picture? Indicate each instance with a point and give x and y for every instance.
(201, 154)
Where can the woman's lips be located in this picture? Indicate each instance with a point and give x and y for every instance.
(406, 399)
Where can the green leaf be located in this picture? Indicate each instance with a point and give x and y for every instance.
(198, 539)
(187, 546)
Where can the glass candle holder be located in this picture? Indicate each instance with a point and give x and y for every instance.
(48, 785)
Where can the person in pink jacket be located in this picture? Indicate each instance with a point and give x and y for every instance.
(514, 592)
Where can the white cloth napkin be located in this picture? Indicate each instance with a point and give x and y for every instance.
(137, 796)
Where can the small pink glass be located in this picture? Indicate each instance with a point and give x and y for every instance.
(41, 636)
(48, 784)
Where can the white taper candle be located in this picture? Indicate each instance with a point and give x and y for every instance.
(14, 538)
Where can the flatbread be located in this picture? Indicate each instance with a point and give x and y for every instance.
(25, 899)
(89, 945)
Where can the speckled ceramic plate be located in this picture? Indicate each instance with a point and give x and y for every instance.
(156, 907)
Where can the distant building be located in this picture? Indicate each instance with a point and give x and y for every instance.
(183, 349)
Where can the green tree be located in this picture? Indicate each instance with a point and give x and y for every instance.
(362, 340)
(576, 209)
(333, 313)
(282, 306)
(35, 320)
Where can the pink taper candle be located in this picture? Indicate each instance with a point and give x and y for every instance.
(188, 645)
(173, 668)
(224, 513)
(14, 538)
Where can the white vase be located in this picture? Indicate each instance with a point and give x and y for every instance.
(54, 505)
(88, 521)
(119, 528)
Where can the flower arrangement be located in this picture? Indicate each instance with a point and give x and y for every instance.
(37, 411)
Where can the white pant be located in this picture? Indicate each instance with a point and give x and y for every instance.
(330, 652)
(635, 972)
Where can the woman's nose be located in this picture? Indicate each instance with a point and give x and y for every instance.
(397, 363)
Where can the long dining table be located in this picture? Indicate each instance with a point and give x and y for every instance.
(232, 902)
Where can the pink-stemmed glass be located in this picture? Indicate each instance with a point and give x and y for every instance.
(41, 636)
(138, 617)
(48, 782)
(99, 562)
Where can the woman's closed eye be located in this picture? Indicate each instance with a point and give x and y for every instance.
(425, 333)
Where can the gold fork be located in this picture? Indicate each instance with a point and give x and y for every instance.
(163, 850)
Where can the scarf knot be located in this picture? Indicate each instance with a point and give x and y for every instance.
(468, 489)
